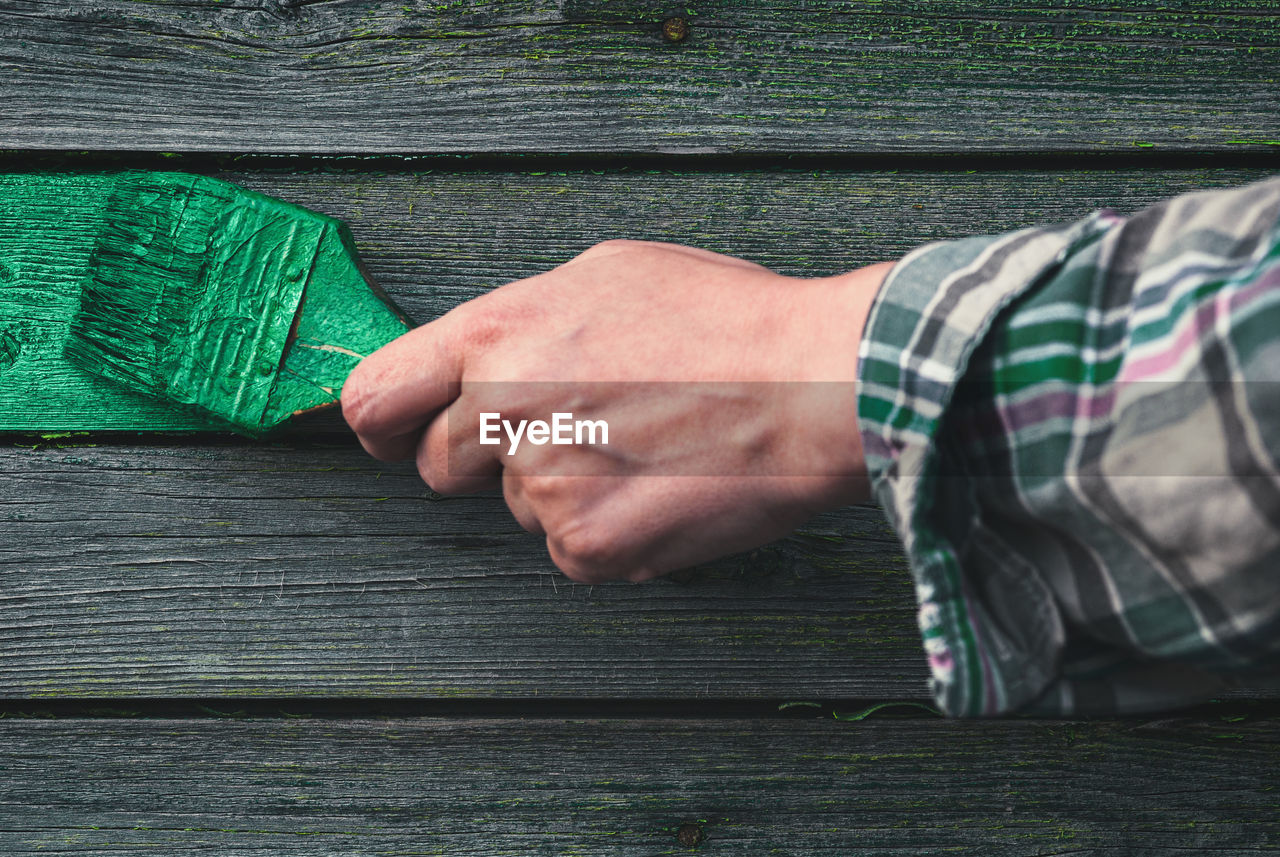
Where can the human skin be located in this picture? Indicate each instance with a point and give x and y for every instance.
(729, 391)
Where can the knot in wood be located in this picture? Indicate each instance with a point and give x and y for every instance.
(10, 348)
(690, 835)
(675, 29)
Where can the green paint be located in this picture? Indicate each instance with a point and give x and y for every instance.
(182, 302)
(10, 348)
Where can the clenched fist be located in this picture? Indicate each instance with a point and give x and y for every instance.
(706, 404)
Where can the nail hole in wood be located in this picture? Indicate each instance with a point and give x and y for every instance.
(675, 29)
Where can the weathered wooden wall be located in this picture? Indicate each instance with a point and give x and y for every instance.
(597, 76)
(358, 666)
(632, 787)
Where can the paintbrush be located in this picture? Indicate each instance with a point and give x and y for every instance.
(245, 308)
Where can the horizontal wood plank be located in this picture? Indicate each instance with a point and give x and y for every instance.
(638, 787)
(597, 76)
(294, 570)
(435, 239)
(313, 571)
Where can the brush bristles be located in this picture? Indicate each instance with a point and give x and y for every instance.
(192, 291)
(146, 273)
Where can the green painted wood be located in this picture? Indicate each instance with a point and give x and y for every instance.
(639, 787)
(434, 239)
(597, 76)
(48, 227)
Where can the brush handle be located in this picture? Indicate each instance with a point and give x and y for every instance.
(343, 318)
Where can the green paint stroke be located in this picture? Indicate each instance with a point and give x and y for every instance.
(166, 301)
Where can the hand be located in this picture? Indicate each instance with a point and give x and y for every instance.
(728, 391)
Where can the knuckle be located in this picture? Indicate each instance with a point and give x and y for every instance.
(492, 319)
(484, 323)
(433, 467)
(583, 553)
(488, 322)
(514, 496)
(571, 568)
(619, 243)
(640, 574)
(540, 490)
(611, 245)
(357, 403)
(607, 244)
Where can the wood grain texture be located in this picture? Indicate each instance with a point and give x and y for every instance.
(629, 787)
(435, 239)
(596, 76)
(312, 571)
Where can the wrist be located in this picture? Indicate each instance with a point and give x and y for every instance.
(851, 296)
(837, 312)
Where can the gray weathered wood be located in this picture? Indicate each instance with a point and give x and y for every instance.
(435, 239)
(596, 76)
(308, 571)
(627, 787)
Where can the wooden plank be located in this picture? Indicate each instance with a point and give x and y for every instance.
(435, 239)
(635, 787)
(313, 571)
(596, 76)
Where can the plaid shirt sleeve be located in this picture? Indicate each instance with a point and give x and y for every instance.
(1075, 431)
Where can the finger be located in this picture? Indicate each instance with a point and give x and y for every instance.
(394, 448)
(518, 502)
(661, 536)
(637, 532)
(394, 392)
(451, 458)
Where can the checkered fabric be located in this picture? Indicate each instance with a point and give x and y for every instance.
(1075, 431)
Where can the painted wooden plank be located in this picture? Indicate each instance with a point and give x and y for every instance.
(639, 787)
(597, 76)
(434, 239)
(74, 354)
